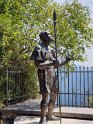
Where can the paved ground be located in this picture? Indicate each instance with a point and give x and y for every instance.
(29, 112)
(35, 120)
(67, 111)
(32, 107)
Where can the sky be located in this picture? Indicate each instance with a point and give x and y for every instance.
(89, 52)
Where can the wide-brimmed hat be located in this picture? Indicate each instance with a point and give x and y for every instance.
(45, 36)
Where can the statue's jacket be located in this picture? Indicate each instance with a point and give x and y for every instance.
(47, 77)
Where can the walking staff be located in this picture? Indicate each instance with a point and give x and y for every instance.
(54, 21)
(60, 64)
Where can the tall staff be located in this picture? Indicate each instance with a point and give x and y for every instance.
(54, 21)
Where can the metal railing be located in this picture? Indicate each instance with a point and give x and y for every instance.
(12, 89)
(76, 87)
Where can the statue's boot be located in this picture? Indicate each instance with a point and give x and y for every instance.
(52, 118)
(43, 108)
(43, 120)
(50, 115)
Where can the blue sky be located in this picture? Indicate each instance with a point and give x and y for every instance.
(89, 52)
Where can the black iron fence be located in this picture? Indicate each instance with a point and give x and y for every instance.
(76, 87)
(12, 88)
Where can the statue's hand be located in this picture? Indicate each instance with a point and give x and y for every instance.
(55, 63)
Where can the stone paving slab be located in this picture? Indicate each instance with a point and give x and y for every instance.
(35, 120)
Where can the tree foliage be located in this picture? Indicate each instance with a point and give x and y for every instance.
(75, 32)
(22, 20)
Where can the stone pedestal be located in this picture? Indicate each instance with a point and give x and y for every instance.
(7, 118)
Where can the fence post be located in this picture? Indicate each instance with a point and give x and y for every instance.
(7, 87)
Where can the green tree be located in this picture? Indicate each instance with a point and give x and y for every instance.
(22, 20)
(75, 32)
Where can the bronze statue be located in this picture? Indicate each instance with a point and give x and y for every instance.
(45, 60)
(43, 55)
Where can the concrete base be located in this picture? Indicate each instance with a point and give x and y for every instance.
(35, 120)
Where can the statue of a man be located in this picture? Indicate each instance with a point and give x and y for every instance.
(44, 56)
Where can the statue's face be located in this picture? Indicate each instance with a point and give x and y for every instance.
(47, 40)
(47, 43)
